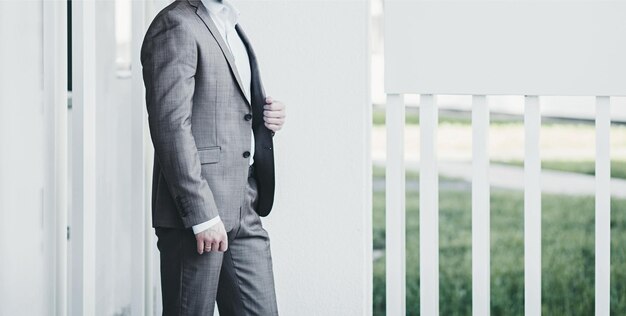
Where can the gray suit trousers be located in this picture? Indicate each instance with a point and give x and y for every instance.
(241, 279)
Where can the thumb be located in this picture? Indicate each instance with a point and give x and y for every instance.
(223, 245)
(200, 244)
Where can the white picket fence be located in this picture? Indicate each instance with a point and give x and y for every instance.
(429, 211)
(484, 48)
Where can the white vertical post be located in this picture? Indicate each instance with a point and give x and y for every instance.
(532, 207)
(141, 251)
(55, 100)
(480, 207)
(395, 207)
(83, 226)
(429, 207)
(603, 205)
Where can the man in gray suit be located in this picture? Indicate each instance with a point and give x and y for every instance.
(212, 127)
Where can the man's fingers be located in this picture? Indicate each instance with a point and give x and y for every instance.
(272, 120)
(208, 246)
(273, 114)
(214, 239)
(276, 114)
(215, 246)
(273, 127)
(200, 244)
(274, 106)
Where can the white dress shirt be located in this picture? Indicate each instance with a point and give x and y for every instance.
(225, 16)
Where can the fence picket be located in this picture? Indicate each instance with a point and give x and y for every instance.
(532, 208)
(395, 207)
(603, 206)
(480, 207)
(429, 207)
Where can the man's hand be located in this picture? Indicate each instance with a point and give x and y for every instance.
(212, 239)
(274, 114)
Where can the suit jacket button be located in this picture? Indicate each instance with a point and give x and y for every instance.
(246, 154)
(247, 117)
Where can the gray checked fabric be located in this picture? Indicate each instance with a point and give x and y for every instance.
(200, 122)
(246, 283)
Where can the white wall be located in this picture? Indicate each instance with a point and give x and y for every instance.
(505, 47)
(113, 160)
(24, 260)
(314, 56)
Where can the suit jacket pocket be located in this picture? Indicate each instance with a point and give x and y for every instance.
(209, 154)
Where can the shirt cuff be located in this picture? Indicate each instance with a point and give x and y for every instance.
(206, 225)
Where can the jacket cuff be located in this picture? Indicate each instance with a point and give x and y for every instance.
(195, 212)
(206, 225)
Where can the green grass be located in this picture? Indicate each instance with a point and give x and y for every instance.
(464, 118)
(412, 117)
(618, 167)
(567, 254)
(379, 173)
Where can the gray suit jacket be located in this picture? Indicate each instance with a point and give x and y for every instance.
(200, 121)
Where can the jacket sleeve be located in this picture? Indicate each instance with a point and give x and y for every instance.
(169, 59)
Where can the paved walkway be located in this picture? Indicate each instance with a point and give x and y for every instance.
(512, 177)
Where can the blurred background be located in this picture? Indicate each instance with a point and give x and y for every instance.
(567, 151)
(76, 158)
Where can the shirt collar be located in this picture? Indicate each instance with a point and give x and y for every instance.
(223, 9)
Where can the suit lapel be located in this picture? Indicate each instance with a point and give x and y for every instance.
(257, 93)
(203, 13)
